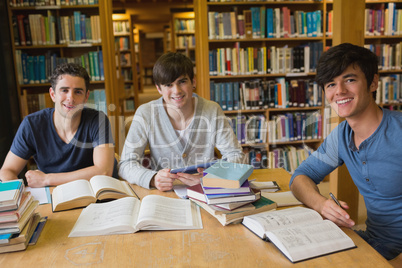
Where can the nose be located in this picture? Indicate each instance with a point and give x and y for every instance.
(70, 95)
(176, 88)
(340, 88)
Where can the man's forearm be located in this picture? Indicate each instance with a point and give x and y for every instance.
(306, 191)
(7, 175)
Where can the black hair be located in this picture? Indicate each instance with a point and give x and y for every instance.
(72, 69)
(338, 58)
(171, 66)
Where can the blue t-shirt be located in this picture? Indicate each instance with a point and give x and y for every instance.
(375, 168)
(37, 137)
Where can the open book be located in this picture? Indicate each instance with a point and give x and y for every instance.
(81, 193)
(299, 233)
(130, 215)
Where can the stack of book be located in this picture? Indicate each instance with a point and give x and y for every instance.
(225, 193)
(18, 219)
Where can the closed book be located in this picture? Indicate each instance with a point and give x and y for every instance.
(226, 217)
(245, 188)
(196, 192)
(15, 215)
(226, 175)
(10, 194)
(16, 227)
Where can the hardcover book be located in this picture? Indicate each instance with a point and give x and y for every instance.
(129, 215)
(81, 193)
(299, 233)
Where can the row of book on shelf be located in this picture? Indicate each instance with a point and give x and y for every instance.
(20, 225)
(38, 3)
(185, 41)
(37, 29)
(264, 94)
(288, 157)
(184, 25)
(389, 89)
(389, 55)
(262, 22)
(122, 43)
(121, 27)
(383, 20)
(264, 60)
(36, 69)
(290, 126)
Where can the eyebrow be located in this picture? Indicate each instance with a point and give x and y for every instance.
(76, 88)
(348, 75)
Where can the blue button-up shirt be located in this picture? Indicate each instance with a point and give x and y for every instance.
(376, 169)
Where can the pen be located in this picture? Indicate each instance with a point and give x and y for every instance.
(336, 200)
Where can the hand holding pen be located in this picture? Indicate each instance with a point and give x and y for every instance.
(339, 216)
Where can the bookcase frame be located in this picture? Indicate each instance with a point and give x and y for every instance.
(203, 44)
(122, 93)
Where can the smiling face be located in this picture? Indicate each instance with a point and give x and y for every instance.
(349, 94)
(178, 94)
(69, 96)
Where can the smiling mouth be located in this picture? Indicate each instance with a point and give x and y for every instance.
(70, 107)
(178, 98)
(344, 101)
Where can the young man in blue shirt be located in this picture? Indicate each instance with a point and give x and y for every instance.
(68, 142)
(368, 142)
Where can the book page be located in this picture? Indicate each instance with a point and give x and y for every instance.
(310, 240)
(281, 218)
(71, 190)
(100, 182)
(158, 213)
(115, 217)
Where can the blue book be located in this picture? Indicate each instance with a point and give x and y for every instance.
(36, 69)
(24, 62)
(101, 68)
(30, 68)
(270, 23)
(226, 175)
(77, 26)
(236, 96)
(229, 95)
(5, 238)
(192, 169)
(42, 69)
(223, 99)
(83, 29)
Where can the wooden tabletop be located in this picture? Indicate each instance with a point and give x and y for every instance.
(213, 246)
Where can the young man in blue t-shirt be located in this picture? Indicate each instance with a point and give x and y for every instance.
(68, 142)
(368, 142)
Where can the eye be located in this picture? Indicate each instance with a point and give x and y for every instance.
(329, 85)
(350, 80)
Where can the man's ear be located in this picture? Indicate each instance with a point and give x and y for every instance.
(159, 89)
(87, 96)
(374, 84)
(52, 94)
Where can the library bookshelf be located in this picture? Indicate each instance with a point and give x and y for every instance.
(383, 36)
(126, 63)
(45, 34)
(183, 33)
(269, 69)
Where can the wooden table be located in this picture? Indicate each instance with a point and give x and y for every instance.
(213, 246)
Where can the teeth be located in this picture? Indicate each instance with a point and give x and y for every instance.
(343, 101)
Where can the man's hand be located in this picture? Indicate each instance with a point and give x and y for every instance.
(191, 179)
(163, 180)
(337, 214)
(36, 178)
